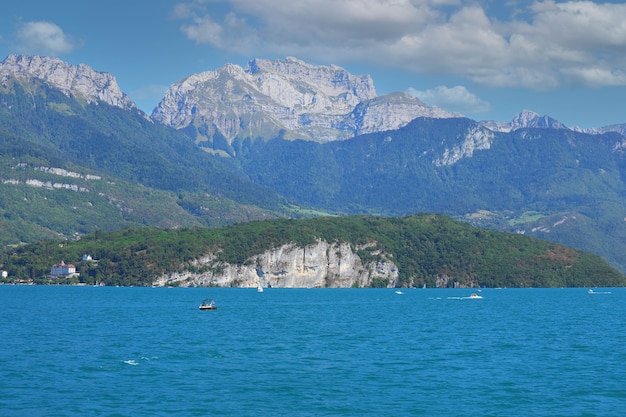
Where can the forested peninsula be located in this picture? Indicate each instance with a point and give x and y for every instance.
(358, 251)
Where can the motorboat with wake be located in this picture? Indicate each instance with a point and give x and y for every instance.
(598, 292)
(208, 304)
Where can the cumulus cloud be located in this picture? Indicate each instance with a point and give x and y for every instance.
(539, 45)
(231, 33)
(456, 98)
(44, 38)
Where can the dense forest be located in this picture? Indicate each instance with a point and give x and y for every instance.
(423, 247)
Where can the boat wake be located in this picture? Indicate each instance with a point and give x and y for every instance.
(133, 362)
(472, 296)
(598, 292)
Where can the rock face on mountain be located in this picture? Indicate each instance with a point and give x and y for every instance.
(530, 119)
(80, 81)
(322, 265)
(526, 119)
(619, 128)
(476, 138)
(287, 98)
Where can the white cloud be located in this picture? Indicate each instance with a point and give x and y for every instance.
(231, 33)
(44, 38)
(540, 45)
(456, 98)
(204, 30)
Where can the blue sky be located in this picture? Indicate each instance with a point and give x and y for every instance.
(488, 59)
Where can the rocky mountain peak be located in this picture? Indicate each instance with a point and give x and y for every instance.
(332, 80)
(77, 80)
(286, 97)
(524, 119)
(528, 118)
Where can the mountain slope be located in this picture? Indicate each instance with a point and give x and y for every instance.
(448, 165)
(45, 195)
(150, 174)
(119, 142)
(458, 167)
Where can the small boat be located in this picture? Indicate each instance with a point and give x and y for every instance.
(259, 288)
(399, 292)
(598, 292)
(476, 296)
(208, 304)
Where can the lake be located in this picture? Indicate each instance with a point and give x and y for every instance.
(106, 351)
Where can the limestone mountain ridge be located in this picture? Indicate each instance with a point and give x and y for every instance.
(80, 81)
(289, 98)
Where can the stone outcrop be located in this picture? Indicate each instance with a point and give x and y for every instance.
(321, 265)
(477, 138)
(73, 80)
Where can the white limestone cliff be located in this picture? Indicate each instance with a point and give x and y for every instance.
(73, 80)
(476, 138)
(392, 111)
(321, 265)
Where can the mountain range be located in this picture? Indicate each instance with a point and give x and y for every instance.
(267, 97)
(283, 138)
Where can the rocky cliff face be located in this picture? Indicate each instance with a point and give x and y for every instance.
(287, 97)
(392, 111)
(74, 80)
(476, 138)
(320, 265)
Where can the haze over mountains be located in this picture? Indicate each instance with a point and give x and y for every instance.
(280, 138)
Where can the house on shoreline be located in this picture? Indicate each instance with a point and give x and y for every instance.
(63, 270)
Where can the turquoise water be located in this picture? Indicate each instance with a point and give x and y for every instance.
(84, 351)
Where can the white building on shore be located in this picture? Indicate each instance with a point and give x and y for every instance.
(63, 270)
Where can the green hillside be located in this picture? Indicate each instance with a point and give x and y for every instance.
(120, 143)
(44, 198)
(395, 172)
(68, 168)
(424, 247)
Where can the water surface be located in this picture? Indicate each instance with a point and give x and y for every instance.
(75, 351)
